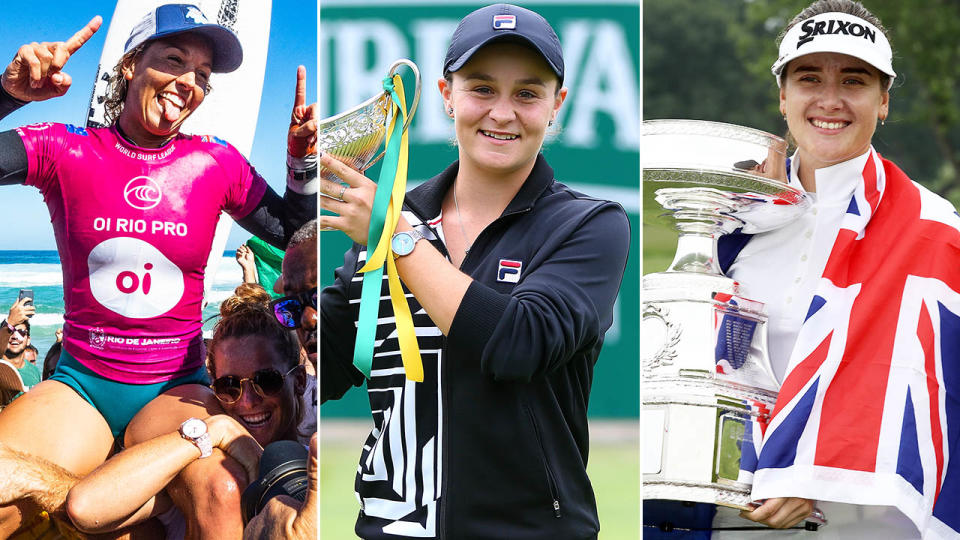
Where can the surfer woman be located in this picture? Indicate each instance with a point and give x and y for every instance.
(134, 208)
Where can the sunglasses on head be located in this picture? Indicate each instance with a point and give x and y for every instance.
(289, 309)
(266, 382)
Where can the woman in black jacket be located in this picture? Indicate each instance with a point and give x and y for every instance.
(513, 279)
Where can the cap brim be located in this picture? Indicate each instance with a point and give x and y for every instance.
(876, 62)
(507, 36)
(227, 51)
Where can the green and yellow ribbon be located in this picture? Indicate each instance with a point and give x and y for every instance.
(387, 203)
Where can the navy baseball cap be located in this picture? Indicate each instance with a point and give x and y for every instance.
(170, 19)
(503, 22)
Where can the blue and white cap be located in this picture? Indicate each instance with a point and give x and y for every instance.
(504, 22)
(170, 19)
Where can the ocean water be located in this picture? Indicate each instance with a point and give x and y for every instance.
(40, 271)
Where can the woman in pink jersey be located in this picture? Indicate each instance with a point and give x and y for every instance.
(134, 207)
(247, 345)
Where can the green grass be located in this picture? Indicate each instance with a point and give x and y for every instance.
(614, 469)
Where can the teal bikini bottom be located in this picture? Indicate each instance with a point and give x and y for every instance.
(118, 402)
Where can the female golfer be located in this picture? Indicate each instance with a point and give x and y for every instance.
(513, 277)
(134, 208)
(861, 303)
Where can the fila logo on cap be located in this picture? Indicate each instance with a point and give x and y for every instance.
(509, 271)
(504, 22)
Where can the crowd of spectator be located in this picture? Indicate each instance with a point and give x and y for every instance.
(262, 363)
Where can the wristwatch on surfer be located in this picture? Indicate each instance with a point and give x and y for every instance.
(403, 242)
(195, 431)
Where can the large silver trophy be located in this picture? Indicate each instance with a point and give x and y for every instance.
(707, 381)
(355, 135)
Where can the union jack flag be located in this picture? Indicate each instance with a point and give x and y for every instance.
(869, 412)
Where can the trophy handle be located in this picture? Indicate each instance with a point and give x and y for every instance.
(416, 87)
(413, 105)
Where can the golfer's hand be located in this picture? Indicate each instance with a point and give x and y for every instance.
(780, 512)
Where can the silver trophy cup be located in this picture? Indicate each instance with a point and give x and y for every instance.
(354, 136)
(708, 387)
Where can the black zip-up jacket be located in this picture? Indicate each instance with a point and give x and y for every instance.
(513, 376)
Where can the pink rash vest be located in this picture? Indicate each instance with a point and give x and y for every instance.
(134, 227)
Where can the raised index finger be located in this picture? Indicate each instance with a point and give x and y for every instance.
(84, 35)
(300, 97)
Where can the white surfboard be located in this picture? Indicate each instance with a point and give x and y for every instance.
(230, 111)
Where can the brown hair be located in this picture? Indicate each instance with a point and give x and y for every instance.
(117, 85)
(248, 313)
(850, 7)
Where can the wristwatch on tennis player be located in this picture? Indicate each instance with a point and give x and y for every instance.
(195, 431)
(403, 242)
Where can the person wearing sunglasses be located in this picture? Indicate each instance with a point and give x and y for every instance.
(255, 366)
(289, 309)
(14, 341)
(257, 377)
(298, 281)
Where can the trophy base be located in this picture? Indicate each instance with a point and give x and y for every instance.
(670, 515)
(695, 441)
(707, 390)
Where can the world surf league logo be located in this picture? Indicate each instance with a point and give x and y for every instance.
(142, 193)
(812, 29)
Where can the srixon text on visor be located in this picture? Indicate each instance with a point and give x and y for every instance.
(812, 29)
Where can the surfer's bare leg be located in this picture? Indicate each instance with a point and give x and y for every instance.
(208, 490)
(49, 438)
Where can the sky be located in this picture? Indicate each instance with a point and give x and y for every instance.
(293, 41)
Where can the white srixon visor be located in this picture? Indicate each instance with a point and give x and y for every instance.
(837, 33)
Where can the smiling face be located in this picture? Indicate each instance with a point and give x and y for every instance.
(502, 101)
(18, 342)
(832, 102)
(166, 84)
(267, 418)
